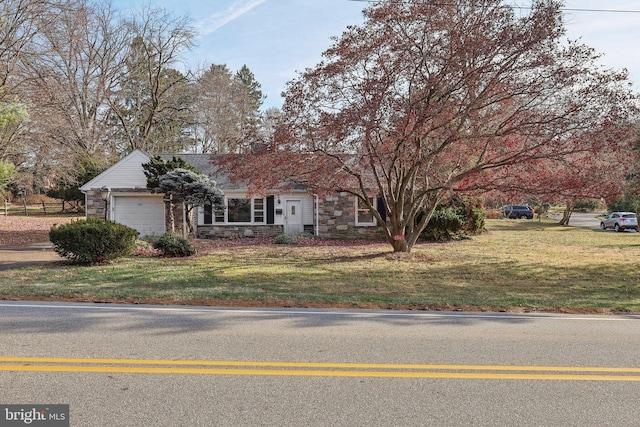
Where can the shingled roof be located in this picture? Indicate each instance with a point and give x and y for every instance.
(203, 164)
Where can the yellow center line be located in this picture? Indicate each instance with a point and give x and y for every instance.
(334, 365)
(318, 369)
(315, 373)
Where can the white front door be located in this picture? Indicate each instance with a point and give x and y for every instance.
(293, 217)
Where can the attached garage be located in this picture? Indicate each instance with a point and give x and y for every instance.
(144, 213)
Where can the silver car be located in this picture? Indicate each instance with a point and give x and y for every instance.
(620, 221)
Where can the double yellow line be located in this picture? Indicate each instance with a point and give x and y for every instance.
(311, 369)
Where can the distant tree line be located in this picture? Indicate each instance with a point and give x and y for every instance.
(82, 84)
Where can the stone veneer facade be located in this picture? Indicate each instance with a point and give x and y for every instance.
(337, 219)
(235, 231)
(94, 205)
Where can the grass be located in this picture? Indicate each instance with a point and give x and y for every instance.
(515, 266)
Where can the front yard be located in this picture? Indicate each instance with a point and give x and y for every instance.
(515, 266)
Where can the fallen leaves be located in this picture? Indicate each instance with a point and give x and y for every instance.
(25, 230)
(204, 246)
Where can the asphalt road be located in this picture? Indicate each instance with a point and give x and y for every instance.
(198, 366)
(588, 220)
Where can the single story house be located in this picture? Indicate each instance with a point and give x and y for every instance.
(120, 194)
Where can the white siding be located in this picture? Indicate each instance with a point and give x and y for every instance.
(307, 210)
(127, 173)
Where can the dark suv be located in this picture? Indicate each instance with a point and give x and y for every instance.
(518, 211)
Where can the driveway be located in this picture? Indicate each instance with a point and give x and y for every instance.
(587, 220)
(578, 219)
(22, 256)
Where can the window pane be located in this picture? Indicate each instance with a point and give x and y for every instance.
(219, 214)
(208, 214)
(239, 210)
(258, 210)
(364, 214)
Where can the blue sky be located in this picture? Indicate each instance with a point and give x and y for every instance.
(276, 38)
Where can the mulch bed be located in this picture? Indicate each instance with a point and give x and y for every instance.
(25, 230)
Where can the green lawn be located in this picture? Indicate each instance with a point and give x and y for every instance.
(516, 265)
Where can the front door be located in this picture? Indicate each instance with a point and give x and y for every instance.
(293, 217)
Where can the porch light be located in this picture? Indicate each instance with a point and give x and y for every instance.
(105, 193)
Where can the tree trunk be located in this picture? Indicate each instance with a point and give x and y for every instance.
(399, 244)
(189, 209)
(186, 226)
(403, 236)
(566, 215)
(172, 219)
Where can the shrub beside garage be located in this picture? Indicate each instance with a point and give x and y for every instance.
(89, 241)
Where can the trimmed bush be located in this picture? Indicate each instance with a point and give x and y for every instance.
(444, 223)
(92, 240)
(172, 244)
(145, 248)
(285, 239)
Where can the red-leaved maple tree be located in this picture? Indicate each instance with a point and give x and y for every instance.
(425, 98)
(599, 172)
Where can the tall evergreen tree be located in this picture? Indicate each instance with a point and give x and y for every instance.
(157, 167)
(228, 110)
(252, 88)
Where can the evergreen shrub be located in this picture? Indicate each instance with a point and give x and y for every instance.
(93, 240)
(172, 244)
(285, 239)
(444, 223)
(586, 205)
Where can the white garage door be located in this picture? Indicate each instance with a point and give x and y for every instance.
(145, 214)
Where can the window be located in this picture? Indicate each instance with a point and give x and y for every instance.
(237, 210)
(364, 217)
(219, 212)
(258, 210)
